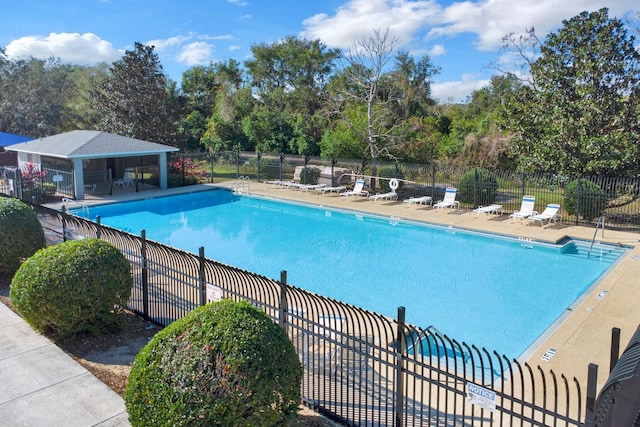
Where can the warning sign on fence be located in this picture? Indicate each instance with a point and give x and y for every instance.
(214, 293)
(481, 396)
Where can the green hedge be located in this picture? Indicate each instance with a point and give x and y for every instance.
(224, 364)
(21, 234)
(481, 183)
(593, 199)
(75, 286)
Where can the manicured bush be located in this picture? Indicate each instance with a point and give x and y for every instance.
(389, 172)
(485, 185)
(593, 199)
(313, 174)
(75, 286)
(224, 364)
(21, 234)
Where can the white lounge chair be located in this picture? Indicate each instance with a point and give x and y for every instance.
(336, 189)
(526, 209)
(123, 182)
(549, 214)
(449, 200)
(392, 195)
(489, 210)
(423, 200)
(307, 187)
(358, 190)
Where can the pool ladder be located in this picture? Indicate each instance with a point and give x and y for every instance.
(241, 185)
(600, 224)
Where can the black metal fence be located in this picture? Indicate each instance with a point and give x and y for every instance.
(360, 368)
(583, 198)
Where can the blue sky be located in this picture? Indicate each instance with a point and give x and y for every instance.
(463, 38)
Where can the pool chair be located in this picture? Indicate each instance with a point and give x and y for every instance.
(123, 182)
(489, 210)
(392, 195)
(358, 190)
(323, 347)
(418, 201)
(526, 209)
(549, 214)
(449, 200)
(307, 187)
(337, 189)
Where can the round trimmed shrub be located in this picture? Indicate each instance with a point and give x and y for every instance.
(224, 364)
(486, 187)
(72, 287)
(593, 199)
(389, 172)
(21, 234)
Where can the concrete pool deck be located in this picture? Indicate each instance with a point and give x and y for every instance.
(583, 333)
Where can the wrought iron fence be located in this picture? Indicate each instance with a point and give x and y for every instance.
(583, 198)
(360, 367)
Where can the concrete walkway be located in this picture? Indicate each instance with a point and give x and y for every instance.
(41, 385)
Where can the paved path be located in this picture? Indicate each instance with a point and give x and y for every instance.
(41, 385)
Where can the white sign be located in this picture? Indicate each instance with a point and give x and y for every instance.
(57, 178)
(481, 396)
(214, 293)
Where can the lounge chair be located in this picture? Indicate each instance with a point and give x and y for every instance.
(123, 182)
(307, 187)
(336, 189)
(392, 195)
(489, 210)
(526, 209)
(423, 200)
(323, 349)
(357, 190)
(449, 200)
(549, 214)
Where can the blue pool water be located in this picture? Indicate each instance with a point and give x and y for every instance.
(493, 292)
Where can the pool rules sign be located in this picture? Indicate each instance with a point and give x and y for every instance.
(481, 396)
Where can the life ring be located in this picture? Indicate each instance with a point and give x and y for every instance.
(393, 183)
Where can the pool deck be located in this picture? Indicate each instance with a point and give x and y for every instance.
(583, 333)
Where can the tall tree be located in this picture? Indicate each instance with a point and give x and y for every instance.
(364, 80)
(133, 100)
(579, 114)
(34, 96)
(289, 78)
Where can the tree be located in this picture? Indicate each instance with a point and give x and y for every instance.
(289, 77)
(34, 96)
(132, 99)
(579, 112)
(365, 80)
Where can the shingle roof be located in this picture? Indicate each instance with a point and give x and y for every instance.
(89, 144)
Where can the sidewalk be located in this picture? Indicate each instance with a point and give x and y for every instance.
(40, 385)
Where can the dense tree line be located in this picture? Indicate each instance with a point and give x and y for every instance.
(573, 108)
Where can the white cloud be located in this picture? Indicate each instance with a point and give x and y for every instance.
(437, 50)
(234, 47)
(196, 53)
(358, 18)
(238, 2)
(161, 45)
(491, 20)
(72, 48)
(457, 91)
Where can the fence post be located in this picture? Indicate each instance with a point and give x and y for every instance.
(615, 348)
(281, 160)
(238, 161)
(306, 162)
(211, 173)
(399, 383)
(590, 409)
(523, 177)
(578, 210)
(98, 227)
(433, 181)
(283, 309)
(203, 288)
(258, 157)
(475, 187)
(145, 274)
(64, 223)
(333, 163)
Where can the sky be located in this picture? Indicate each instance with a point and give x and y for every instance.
(462, 38)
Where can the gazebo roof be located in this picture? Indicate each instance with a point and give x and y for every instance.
(83, 144)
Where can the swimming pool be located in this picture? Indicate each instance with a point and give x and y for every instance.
(491, 291)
